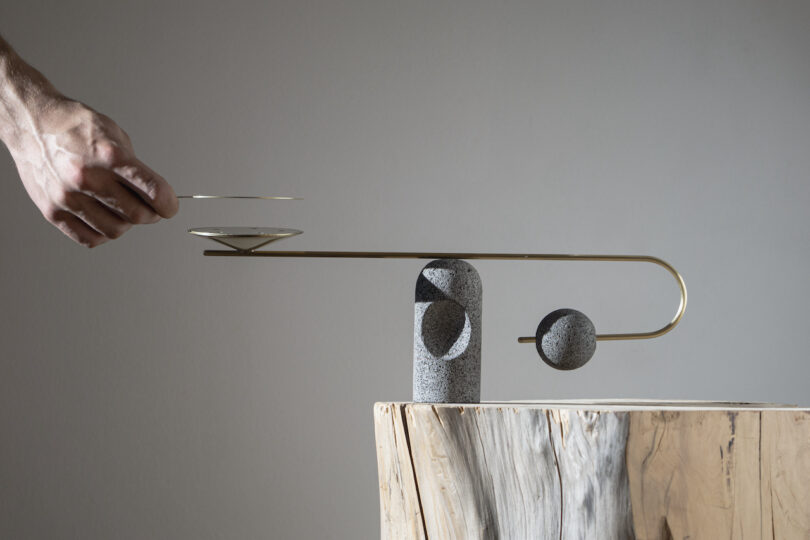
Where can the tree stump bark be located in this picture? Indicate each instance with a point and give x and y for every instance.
(582, 470)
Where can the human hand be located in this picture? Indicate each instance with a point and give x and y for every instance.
(80, 170)
(77, 165)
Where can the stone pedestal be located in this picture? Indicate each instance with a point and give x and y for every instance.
(447, 333)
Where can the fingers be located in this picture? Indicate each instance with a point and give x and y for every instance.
(77, 230)
(150, 186)
(87, 181)
(101, 205)
(97, 216)
(111, 191)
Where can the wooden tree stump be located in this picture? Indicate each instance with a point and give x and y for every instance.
(602, 470)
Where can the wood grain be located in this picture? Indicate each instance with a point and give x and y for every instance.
(695, 474)
(599, 470)
(513, 472)
(400, 509)
(470, 465)
(590, 448)
(786, 473)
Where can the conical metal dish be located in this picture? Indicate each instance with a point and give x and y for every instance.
(244, 238)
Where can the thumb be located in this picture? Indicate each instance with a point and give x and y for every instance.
(151, 187)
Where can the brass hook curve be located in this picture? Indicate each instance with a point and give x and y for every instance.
(492, 257)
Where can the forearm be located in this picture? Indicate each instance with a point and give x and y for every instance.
(23, 92)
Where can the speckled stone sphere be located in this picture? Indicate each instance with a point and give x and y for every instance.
(566, 339)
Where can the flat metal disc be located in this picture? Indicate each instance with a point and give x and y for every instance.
(244, 238)
(263, 197)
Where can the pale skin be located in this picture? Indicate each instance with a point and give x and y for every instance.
(77, 165)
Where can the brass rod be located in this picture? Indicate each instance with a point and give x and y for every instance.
(492, 257)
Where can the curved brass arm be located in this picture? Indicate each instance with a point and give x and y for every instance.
(633, 258)
(488, 256)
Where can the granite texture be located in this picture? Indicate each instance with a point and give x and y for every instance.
(566, 339)
(447, 333)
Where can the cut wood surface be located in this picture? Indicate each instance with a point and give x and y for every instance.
(600, 469)
(400, 510)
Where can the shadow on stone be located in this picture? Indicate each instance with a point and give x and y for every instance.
(442, 326)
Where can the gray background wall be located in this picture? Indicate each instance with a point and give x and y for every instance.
(148, 392)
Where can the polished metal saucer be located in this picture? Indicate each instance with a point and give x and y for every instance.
(244, 238)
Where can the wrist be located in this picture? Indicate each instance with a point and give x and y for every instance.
(24, 94)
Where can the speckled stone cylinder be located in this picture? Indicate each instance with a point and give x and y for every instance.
(447, 333)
